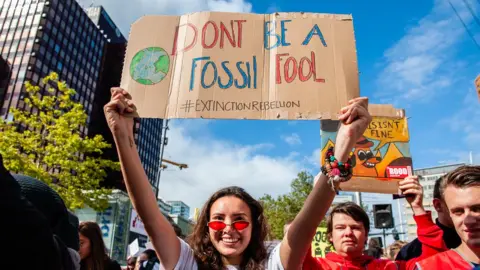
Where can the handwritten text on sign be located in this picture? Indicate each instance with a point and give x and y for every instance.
(305, 60)
(387, 130)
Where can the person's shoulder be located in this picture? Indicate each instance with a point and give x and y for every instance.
(112, 265)
(414, 245)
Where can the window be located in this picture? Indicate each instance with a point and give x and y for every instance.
(29, 20)
(57, 48)
(36, 19)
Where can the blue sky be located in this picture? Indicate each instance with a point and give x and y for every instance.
(413, 54)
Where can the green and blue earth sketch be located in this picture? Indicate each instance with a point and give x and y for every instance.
(150, 65)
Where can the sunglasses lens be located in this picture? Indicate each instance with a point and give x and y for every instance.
(240, 225)
(217, 225)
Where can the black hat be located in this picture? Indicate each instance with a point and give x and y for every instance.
(51, 205)
(62, 223)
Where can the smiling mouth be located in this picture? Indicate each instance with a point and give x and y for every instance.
(368, 164)
(230, 240)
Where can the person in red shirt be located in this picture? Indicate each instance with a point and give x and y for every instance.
(461, 191)
(348, 226)
(295, 250)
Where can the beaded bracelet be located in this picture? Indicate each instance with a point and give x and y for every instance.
(336, 171)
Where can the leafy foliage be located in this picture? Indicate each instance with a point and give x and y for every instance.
(46, 143)
(285, 207)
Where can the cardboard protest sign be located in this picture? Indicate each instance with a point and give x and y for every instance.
(320, 244)
(241, 66)
(381, 157)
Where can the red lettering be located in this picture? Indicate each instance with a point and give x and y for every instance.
(314, 68)
(277, 67)
(239, 40)
(304, 78)
(194, 41)
(223, 32)
(204, 35)
(289, 78)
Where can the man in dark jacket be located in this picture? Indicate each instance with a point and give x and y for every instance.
(36, 227)
(450, 236)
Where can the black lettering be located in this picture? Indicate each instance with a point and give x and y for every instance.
(267, 105)
(397, 124)
(196, 105)
(247, 106)
(254, 105)
(296, 104)
(272, 105)
(220, 105)
(206, 105)
(227, 109)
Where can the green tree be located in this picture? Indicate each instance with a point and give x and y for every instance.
(284, 208)
(46, 143)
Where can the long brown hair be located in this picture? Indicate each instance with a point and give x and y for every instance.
(208, 257)
(98, 254)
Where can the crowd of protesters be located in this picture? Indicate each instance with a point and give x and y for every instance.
(231, 231)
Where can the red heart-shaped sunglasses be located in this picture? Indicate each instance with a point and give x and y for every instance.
(218, 225)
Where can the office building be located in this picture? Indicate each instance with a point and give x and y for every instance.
(429, 176)
(110, 75)
(183, 223)
(148, 132)
(38, 37)
(165, 207)
(180, 208)
(149, 135)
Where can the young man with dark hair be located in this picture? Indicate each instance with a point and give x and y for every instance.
(461, 193)
(450, 236)
(347, 230)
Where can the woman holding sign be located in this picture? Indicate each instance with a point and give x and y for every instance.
(231, 229)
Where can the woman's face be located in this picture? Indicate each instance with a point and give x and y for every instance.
(85, 247)
(230, 242)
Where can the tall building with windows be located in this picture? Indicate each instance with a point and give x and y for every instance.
(148, 132)
(180, 208)
(149, 138)
(86, 50)
(429, 176)
(110, 74)
(38, 37)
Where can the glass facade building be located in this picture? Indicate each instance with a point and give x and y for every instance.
(38, 37)
(87, 50)
(149, 141)
(180, 208)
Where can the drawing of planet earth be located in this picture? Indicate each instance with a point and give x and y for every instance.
(150, 65)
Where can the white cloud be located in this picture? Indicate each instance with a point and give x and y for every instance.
(313, 159)
(466, 121)
(420, 64)
(214, 164)
(292, 139)
(125, 12)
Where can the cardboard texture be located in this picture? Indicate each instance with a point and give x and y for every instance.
(477, 85)
(241, 66)
(381, 157)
